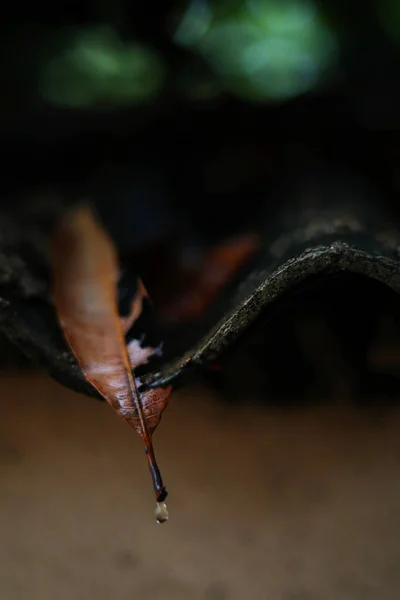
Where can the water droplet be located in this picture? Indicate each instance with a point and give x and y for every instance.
(161, 512)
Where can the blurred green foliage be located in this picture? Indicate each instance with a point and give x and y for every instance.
(262, 49)
(97, 68)
(265, 51)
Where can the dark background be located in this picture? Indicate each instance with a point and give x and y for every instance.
(183, 144)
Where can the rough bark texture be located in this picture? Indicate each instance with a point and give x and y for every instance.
(325, 225)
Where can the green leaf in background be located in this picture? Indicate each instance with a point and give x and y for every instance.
(262, 49)
(97, 68)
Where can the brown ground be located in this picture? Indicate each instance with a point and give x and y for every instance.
(273, 505)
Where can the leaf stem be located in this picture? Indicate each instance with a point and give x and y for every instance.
(159, 488)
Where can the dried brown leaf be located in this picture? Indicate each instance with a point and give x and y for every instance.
(85, 272)
(217, 268)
